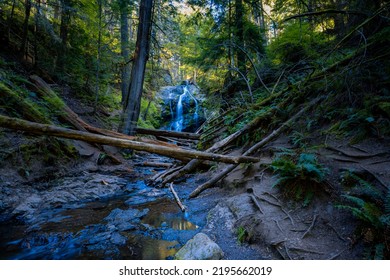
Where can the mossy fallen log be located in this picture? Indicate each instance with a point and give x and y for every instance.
(42, 129)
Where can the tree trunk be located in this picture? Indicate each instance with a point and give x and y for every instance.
(132, 109)
(10, 21)
(43, 129)
(239, 35)
(125, 51)
(27, 11)
(36, 27)
(168, 133)
(64, 30)
(99, 41)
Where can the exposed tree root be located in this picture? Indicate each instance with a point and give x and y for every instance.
(310, 227)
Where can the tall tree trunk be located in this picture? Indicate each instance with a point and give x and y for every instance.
(239, 35)
(99, 42)
(125, 50)
(141, 54)
(10, 19)
(27, 11)
(37, 15)
(64, 30)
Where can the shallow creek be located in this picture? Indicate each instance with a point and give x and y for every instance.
(142, 223)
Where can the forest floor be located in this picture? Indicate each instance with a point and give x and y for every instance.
(245, 215)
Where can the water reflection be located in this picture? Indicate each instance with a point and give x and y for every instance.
(165, 214)
(150, 249)
(84, 233)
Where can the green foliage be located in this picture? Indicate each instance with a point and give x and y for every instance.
(299, 176)
(298, 42)
(150, 114)
(369, 121)
(242, 234)
(372, 208)
(18, 102)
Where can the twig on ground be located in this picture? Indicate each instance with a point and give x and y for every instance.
(178, 201)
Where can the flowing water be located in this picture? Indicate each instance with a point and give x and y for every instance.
(130, 226)
(178, 123)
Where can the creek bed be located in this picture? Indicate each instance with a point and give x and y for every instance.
(141, 224)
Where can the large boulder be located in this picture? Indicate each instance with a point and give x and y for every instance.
(201, 247)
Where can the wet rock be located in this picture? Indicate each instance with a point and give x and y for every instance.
(23, 202)
(27, 206)
(118, 239)
(201, 247)
(124, 220)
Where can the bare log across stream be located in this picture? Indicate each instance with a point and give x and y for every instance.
(168, 133)
(43, 129)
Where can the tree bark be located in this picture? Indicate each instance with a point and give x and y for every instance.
(43, 129)
(125, 51)
(168, 133)
(239, 35)
(141, 55)
(27, 11)
(64, 30)
(10, 21)
(99, 42)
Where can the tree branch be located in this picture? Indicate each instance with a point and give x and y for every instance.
(330, 11)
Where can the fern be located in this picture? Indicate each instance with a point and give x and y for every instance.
(297, 175)
(365, 211)
(372, 208)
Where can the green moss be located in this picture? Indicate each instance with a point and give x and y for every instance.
(16, 102)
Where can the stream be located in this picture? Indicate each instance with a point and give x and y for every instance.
(138, 222)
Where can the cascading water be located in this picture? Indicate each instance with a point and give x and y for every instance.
(179, 120)
(178, 124)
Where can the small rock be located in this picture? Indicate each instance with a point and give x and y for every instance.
(118, 239)
(201, 247)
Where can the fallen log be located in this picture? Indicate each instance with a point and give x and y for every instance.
(154, 164)
(193, 164)
(168, 133)
(253, 149)
(42, 129)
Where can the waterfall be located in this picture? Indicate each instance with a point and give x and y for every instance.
(179, 120)
(178, 124)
